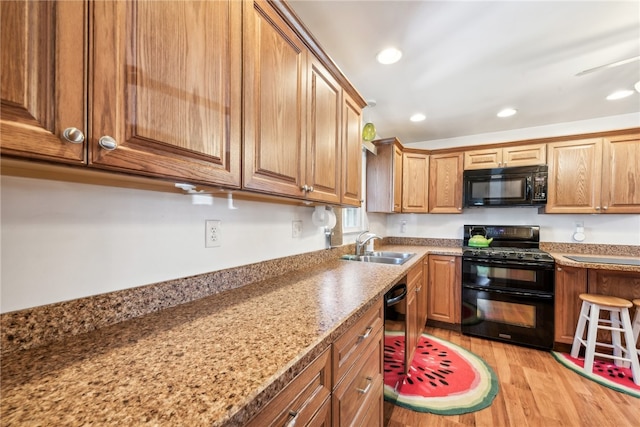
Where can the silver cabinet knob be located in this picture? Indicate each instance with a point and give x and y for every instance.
(73, 135)
(108, 143)
(310, 188)
(559, 268)
(605, 207)
(305, 187)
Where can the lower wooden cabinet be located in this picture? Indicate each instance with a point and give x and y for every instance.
(360, 388)
(444, 289)
(358, 374)
(306, 399)
(350, 345)
(422, 294)
(414, 324)
(570, 283)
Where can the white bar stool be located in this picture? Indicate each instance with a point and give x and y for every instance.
(636, 322)
(619, 321)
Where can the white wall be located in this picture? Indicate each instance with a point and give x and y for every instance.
(599, 229)
(62, 241)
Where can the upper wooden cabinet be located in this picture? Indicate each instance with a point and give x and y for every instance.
(275, 91)
(384, 177)
(575, 173)
(351, 151)
(293, 115)
(621, 174)
(43, 54)
(415, 181)
(445, 183)
(158, 89)
(594, 175)
(166, 89)
(521, 155)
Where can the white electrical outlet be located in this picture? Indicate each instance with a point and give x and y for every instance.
(212, 234)
(296, 229)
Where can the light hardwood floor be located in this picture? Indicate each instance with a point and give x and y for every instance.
(535, 390)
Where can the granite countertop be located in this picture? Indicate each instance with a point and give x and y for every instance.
(561, 259)
(214, 361)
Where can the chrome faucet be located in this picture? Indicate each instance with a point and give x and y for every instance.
(361, 244)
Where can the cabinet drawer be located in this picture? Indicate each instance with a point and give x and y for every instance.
(305, 398)
(373, 415)
(351, 399)
(349, 346)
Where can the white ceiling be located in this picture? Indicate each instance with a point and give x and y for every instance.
(465, 60)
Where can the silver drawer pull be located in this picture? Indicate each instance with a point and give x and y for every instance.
(292, 421)
(366, 334)
(366, 389)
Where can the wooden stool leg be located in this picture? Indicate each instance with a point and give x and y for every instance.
(615, 337)
(592, 335)
(582, 320)
(632, 353)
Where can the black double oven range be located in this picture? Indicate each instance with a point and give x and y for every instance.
(507, 287)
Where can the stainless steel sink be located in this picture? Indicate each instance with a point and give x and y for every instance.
(397, 258)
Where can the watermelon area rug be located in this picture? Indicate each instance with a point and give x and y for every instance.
(443, 378)
(604, 373)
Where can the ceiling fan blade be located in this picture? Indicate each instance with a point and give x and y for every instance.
(611, 65)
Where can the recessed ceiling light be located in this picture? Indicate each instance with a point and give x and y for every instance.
(619, 94)
(637, 86)
(418, 117)
(507, 112)
(389, 56)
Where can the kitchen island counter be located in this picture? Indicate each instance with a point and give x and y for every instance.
(214, 361)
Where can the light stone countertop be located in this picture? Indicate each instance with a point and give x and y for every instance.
(561, 259)
(214, 361)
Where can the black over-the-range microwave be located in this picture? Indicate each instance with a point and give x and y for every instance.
(511, 186)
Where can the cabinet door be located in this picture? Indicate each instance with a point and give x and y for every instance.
(621, 174)
(275, 73)
(483, 159)
(323, 142)
(167, 89)
(397, 179)
(42, 48)
(445, 183)
(524, 155)
(574, 176)
(444, 288)
(423, 295)
(570, 283)
(413, 326)
(351, 152)
(415, 182)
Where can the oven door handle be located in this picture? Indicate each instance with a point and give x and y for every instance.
(516, 293)
(516, 264)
